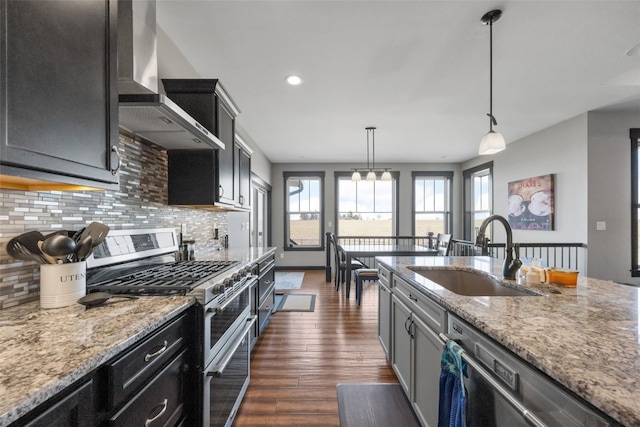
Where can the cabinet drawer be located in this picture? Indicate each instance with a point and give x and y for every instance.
(266, 284)
(428, 311)
(139, 364)
(75, 409)
(384, 275)
(160, 403)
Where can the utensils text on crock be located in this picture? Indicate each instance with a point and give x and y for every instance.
(58, 246)
(95, 299)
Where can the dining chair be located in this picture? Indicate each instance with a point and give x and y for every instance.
(361, 275)
(443, 244)
(340, 260)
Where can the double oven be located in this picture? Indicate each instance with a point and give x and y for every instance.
(142, 262)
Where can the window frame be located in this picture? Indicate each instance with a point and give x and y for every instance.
(469, 208)
(448, 175)
(395, 179)
(634, 135)
(320, 175)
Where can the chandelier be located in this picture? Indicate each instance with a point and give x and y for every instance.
(371, 167)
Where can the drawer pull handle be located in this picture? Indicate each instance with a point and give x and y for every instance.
(164, 405)
(412, 298)
(150, 356)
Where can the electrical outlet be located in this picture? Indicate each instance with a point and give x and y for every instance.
(281, 255)
(183, 229)
(601, 225)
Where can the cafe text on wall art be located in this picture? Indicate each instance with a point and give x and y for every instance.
(531, 203)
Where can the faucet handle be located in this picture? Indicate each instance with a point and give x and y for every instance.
(517, 249)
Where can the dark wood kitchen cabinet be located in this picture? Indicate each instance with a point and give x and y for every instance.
(244, 174)
(73, 407)
(208, 103)
(150, 382)
(266, 292)
(58, 83)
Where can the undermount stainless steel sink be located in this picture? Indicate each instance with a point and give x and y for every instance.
(468, 283)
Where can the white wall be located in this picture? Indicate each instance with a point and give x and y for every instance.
(560, 150)
(610, 195)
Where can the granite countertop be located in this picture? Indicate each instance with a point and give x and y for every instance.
(44, 351)
(587, 338)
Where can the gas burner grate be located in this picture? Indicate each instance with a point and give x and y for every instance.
(167, 279)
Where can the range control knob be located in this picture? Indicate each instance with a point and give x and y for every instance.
(218, 288)
(228, 282)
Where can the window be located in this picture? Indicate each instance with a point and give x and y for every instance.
(635, 202)
(431, 202)
(478, 203)
(304, 210)
(366, 208)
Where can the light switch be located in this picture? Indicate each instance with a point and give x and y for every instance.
(601, 225)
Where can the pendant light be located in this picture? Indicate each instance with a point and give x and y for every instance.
(371, 176)
(371, 167)
(493, 142)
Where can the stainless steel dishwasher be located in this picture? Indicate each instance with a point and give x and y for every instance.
(502, 390)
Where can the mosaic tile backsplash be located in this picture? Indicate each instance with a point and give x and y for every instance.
(141, 202)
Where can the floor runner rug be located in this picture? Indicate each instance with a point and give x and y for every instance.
(296, 302)
(374, 405)
(289, 280)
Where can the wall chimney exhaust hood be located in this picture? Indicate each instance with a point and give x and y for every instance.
(143, 111)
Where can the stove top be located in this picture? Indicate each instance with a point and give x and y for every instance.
(177, 278)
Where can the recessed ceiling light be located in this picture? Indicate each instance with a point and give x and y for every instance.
(293, 80)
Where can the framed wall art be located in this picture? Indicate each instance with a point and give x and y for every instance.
(531, 203)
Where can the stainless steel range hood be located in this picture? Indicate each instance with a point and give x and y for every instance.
(144, 111)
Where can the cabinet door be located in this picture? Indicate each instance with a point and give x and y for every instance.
(401, 346)
(58, 84)
(427, 351)
(74, 410)
(384, 319)
(226, 166)
(244, 177)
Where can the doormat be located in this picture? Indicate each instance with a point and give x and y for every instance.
(374, 405)
(297, 302)
(288, 280)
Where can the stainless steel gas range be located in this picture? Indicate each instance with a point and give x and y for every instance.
(142, 262)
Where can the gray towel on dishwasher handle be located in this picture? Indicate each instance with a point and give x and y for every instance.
(453, 399)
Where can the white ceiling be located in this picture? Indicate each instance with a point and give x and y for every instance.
(417, 70)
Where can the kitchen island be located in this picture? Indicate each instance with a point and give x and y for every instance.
(585, 338)
(42, 352)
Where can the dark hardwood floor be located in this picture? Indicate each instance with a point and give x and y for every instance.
(302, 356)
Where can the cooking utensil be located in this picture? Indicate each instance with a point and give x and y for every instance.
(50, 259)
(83, 249)
(95, 299)
(98, 233)
(58, 246)
(30, 241)
(16, 250)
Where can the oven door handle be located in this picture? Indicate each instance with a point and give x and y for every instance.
(219, 370)
(221, 308)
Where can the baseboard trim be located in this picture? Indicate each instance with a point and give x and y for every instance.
(298, 267)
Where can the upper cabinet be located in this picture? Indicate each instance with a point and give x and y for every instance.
(58, 83)
(221, 174)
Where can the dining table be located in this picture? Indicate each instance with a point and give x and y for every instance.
(354, 251)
